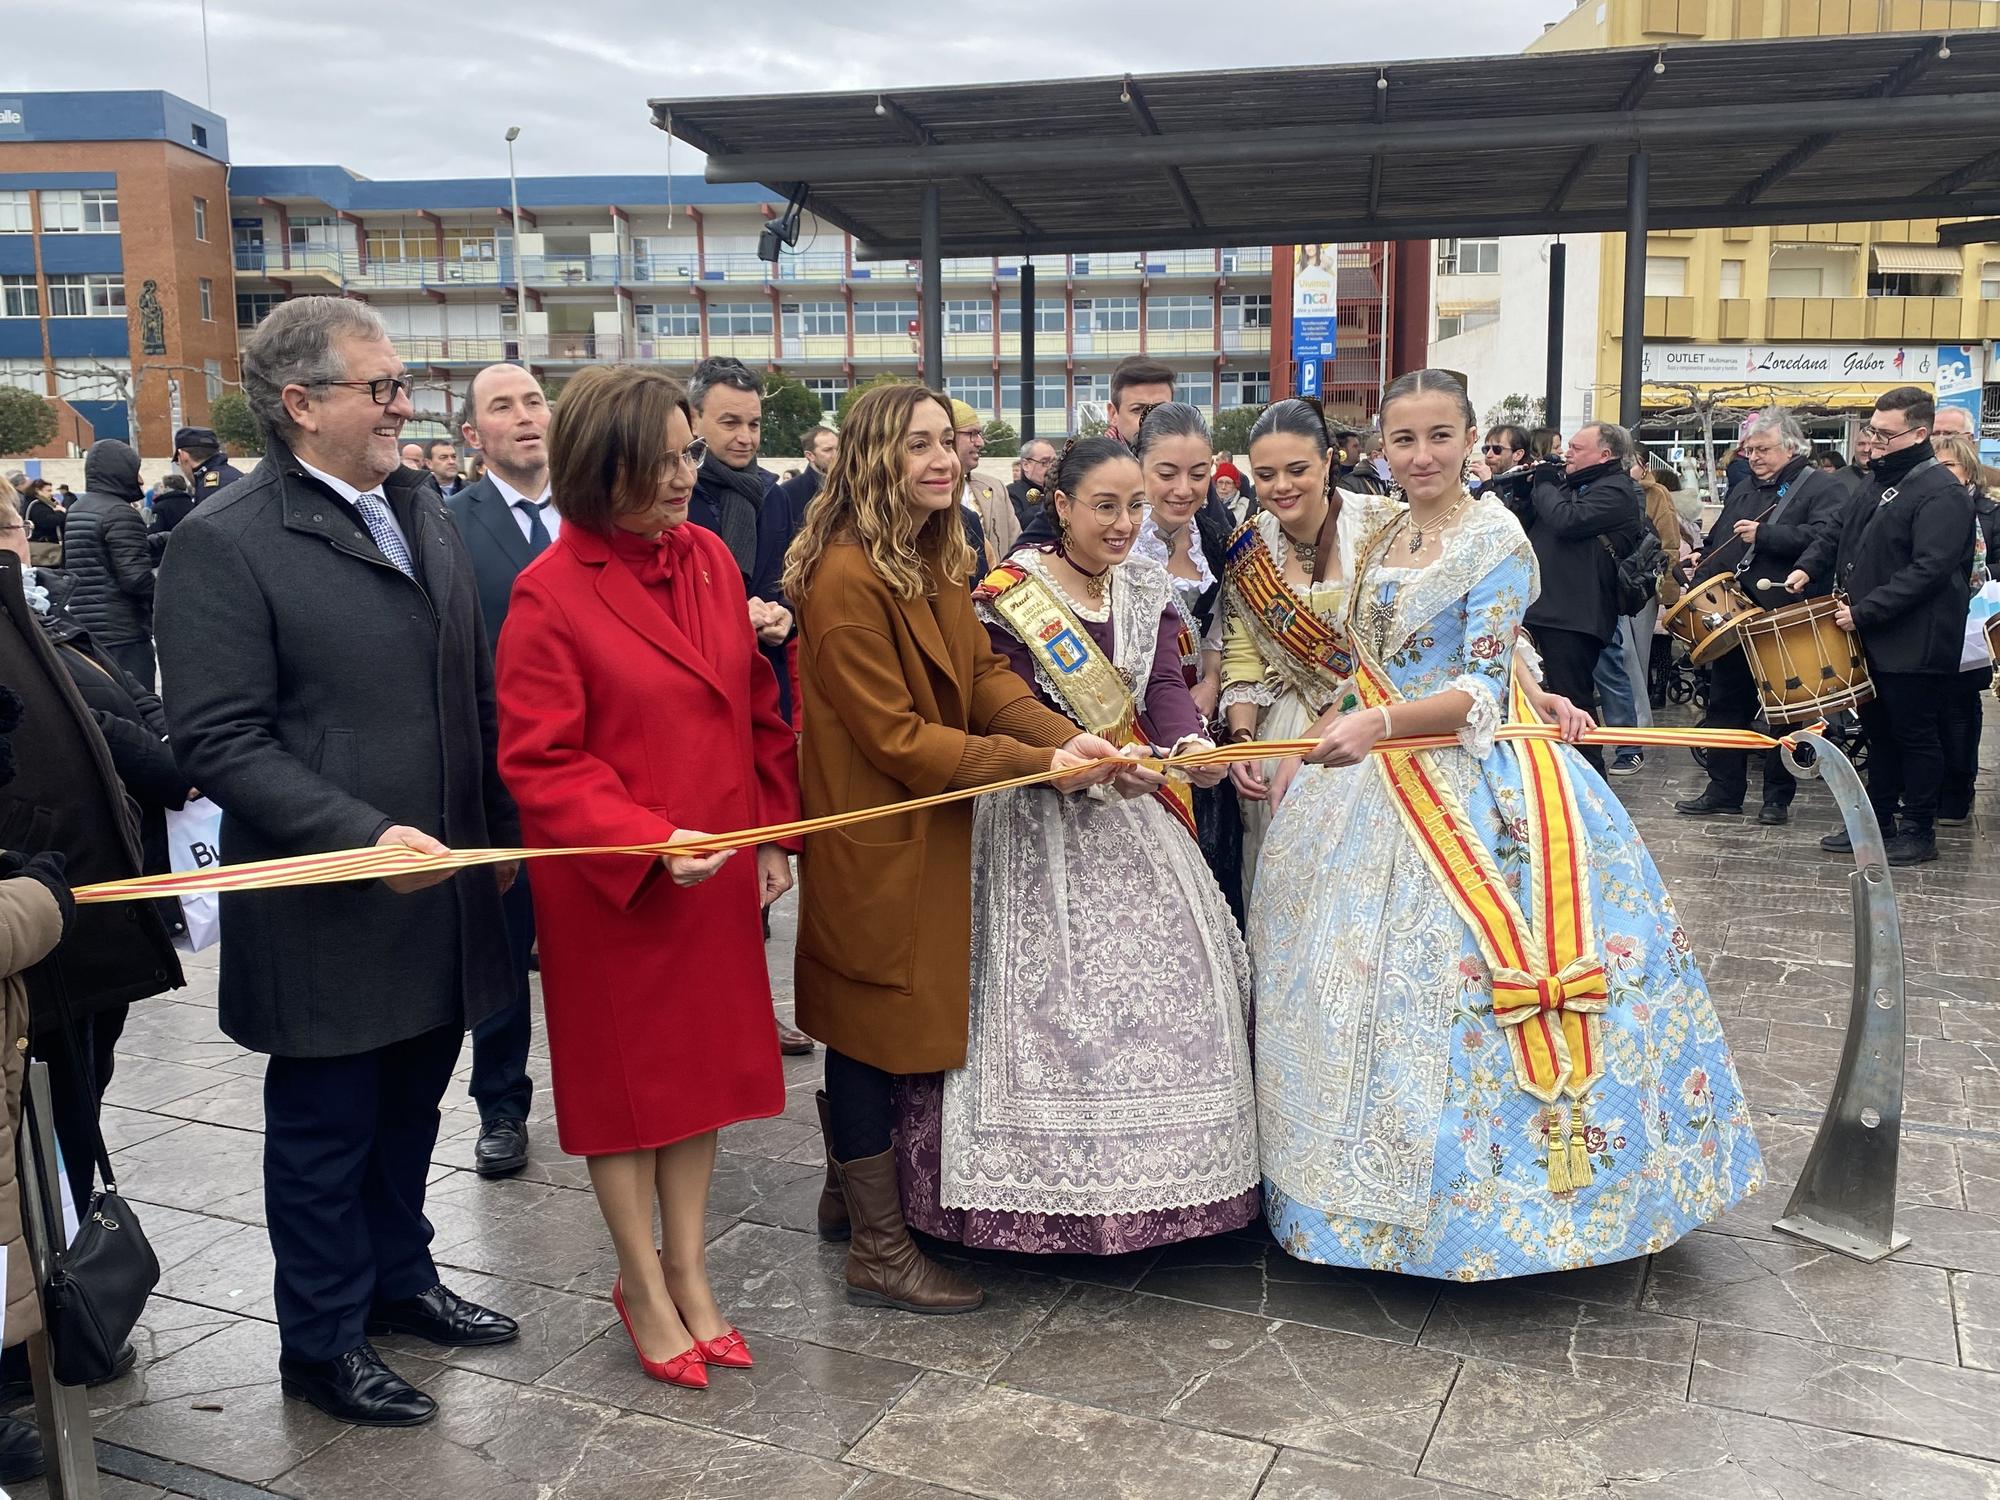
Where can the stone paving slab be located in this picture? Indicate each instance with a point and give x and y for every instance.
(1739, 1363)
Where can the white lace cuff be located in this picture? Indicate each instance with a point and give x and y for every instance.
(1195, 741)
(1483, 720)
(1259, 694)
(1526, 654)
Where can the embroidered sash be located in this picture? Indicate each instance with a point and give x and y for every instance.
(1093, 691)
(1312, 656)
(1549, 983)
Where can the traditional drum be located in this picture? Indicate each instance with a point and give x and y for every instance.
(1806, 666)
(1707, 617)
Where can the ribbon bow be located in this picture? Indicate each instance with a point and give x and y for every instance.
(1579, 985)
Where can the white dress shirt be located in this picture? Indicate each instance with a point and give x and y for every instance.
(350, 494)
(551, 522)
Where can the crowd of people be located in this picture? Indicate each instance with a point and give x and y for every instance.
(1426, 1011)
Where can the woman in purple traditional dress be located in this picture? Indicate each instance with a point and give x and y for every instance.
(1106, 1103)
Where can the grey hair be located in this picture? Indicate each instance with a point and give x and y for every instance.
(1170, 419)
(1038, 442)
(722, 370)
(1617, 441)
(297, 344)
(1782, 425)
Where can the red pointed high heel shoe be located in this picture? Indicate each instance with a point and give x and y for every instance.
(729, 1351)
(688, 1368)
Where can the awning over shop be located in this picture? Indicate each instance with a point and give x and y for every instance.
(1918, 260)
(1858, 397)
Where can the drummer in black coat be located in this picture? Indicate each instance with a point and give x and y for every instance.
(1769, 519)
(1902, 563)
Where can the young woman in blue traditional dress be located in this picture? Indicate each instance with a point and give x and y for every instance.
(1284, 659)
(1484, 1048)
(1106, 1103)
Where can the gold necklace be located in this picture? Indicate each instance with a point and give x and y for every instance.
(1418, 534)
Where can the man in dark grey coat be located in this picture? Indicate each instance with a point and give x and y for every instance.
(328, 684)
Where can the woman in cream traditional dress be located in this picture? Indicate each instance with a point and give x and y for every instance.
(1106, 1103)
(1484, 1048)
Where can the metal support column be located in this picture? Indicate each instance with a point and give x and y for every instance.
(1846, 1197)
(1632, 336)
(1027, 351)
(1552, 386)
(930, 304)
(62, 1412)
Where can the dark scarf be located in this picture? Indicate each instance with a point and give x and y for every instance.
(738, 497)
(1893, 468)
(1582, 479)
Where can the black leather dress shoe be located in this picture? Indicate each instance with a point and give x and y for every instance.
(1772, 814)
(1707, 805)
(441, 1316)
(502, 1149)
(357, 1387)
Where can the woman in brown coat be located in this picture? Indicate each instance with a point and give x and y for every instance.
(903, 697)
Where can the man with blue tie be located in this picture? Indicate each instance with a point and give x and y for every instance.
(507, 522)
(329, 685)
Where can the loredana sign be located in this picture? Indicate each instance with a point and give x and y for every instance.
(1791, 364)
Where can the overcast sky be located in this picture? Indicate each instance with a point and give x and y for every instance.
(400, 88)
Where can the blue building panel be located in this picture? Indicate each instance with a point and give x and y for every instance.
(338, 188)
(67, 254)
(113, 115)
(72, 337)
(108, 419)
(17, 255)
(58, 179)
(20, 338)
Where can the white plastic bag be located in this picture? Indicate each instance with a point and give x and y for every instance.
(194, 842)
(1985, 604)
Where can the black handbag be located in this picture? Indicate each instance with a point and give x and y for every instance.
(98, 1285)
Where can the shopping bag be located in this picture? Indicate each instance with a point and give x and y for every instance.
(1985, 604)
(194, 842)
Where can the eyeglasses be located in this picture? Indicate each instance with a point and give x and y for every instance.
(1039, 463)
(694, 455)
(9, 527)
(1876, 434)
(382, 391)
(1494, 448)
(1108, 511)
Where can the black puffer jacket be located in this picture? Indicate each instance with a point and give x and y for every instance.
(105, 548)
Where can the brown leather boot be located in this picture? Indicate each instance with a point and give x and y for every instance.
(833, 1223)
(884, 1266)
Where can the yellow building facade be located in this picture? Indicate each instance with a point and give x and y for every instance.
(1824, 315)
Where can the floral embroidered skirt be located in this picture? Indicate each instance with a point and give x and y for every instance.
(1396, 1136)
(1106, 1104)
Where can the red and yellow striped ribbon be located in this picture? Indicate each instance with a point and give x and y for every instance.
(383, 860)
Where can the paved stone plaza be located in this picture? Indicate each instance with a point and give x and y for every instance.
(1737, 1364)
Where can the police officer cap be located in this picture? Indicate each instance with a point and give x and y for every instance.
(195, 437)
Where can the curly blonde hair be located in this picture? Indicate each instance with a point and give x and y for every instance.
(866, 499)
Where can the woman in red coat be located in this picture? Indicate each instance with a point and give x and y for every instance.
(634, 708)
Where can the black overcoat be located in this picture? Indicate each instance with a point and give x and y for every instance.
(319, 695)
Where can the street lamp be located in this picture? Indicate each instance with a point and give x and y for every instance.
(520, 281)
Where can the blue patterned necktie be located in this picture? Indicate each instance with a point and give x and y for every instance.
(382, 526)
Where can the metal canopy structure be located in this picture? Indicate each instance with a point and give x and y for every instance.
(1887, 126)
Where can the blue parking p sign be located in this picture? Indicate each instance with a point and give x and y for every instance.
(1309, 377)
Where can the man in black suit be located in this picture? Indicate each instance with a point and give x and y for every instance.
(507, 522)
(328, 684)
(1766, 524)
(1582, 515)
(1903, 559)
